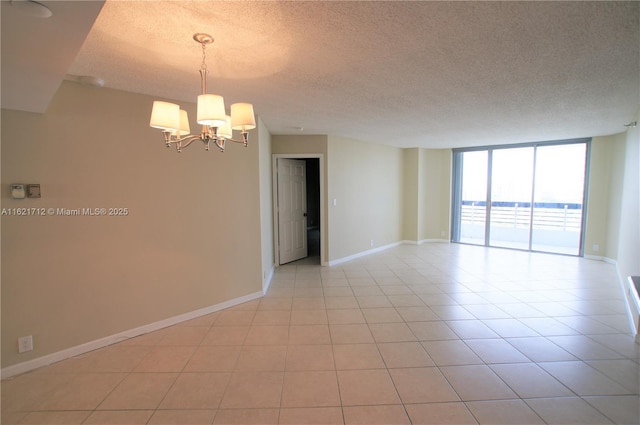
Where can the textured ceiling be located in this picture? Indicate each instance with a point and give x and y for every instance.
(36, 52)
(408, 74)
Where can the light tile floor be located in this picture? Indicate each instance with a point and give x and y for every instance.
(431, 334)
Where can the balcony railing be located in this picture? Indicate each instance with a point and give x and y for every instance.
(549, 216)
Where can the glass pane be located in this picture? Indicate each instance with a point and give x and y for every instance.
(474, 197)
(559, 193)
(511, 186)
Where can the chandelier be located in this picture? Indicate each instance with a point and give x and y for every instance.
(216, 125)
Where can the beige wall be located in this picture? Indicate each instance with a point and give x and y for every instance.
(366, 181)
(604, 188)
(266, 202)
(612, 213)
(427, 194)
(299, 144)
(411, 194)
(629, 213)
(623, 186)
(614, 203)
(616, 147)
(435, 194)
(189, 241)
(382, 193)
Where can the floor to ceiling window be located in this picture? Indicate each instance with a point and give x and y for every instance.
(528, 196)
(471, 170)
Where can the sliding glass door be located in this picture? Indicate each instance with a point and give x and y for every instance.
(511, 180)
(528, 197)
(558, 198)
(473, 199)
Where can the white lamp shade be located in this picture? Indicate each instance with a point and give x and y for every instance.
(211, 110)
(242, 117)
(224, 131)
(184, 124)
(165, 116)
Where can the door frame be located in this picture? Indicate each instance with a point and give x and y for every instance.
(274, 193)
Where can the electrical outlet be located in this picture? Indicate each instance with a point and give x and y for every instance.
(596, 247)
(25, 343)
(371, 242)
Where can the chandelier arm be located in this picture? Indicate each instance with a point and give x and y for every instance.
(244, 141)
(220, 143)
(185, 142)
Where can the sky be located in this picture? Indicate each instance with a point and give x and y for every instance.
(559, 174)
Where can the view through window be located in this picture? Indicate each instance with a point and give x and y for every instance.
(527, 197)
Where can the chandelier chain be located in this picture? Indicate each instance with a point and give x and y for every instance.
(204, 64)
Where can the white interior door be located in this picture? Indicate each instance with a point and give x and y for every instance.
(292, 205)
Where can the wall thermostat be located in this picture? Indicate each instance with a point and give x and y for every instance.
(17, 191)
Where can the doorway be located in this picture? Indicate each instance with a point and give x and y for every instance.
(298, 208)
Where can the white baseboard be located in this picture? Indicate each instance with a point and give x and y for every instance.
(594, 257)
(630, 302)
(382, 248)
(635, 297)
(48, 359)
(363, 253)
(600, 258)
(423, 241)
(627, 299)
(266, 283)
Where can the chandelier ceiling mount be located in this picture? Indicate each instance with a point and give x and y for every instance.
(203, 38)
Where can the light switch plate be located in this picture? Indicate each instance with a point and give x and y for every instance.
(33, 191)
(17, 191)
